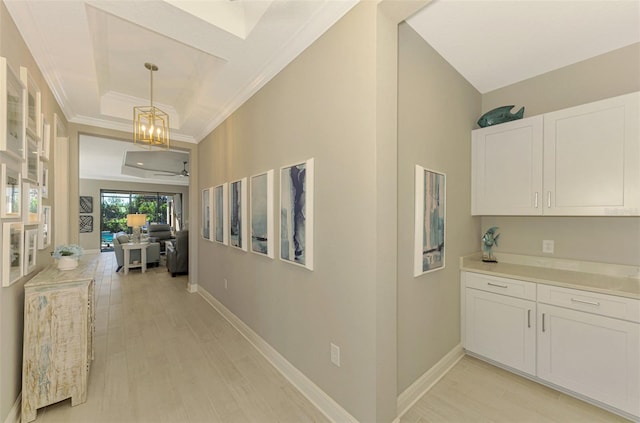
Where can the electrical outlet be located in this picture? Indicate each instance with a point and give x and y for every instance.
(548, 246)
(225, 283)
(335, 354)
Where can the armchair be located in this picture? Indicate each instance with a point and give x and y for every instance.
(159, 232)
(153, 251)
(178, 254)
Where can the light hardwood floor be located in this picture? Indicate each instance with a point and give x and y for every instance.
(164, 355)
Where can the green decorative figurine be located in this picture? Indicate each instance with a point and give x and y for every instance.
(489, 239)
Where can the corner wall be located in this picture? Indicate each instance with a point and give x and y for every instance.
(15, 50)
(437, 110)
(603, 239)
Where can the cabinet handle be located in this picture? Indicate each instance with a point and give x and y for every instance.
(578, 300)
(497, 284)
(543, 322)
(536, 201)
(548, 199)
(528, 318)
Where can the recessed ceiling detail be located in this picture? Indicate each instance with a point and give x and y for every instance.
(212, 55)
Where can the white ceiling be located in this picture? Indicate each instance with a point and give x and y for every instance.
(114, 160)
(497, 43)
(213, 55)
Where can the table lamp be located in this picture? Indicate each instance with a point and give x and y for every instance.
(135, 221)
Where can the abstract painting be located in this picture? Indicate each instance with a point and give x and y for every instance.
(430, 202)
(238, 214)
(206, 214)
(86, 204)
(12, 250)
(220, 213)
(86, 224)
(262, 214)
(296, 214)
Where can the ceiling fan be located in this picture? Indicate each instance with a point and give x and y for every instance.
(184, 172)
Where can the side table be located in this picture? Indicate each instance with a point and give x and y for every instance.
(142, 246)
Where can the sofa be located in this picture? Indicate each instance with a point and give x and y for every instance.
(178, 254)
(153, 251)
(161, 233)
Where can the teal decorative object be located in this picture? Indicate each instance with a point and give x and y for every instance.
(489, 239)
(500, 115)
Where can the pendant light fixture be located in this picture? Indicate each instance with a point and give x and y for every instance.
(150, 124)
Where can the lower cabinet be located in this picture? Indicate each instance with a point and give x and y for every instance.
(592, 355)
(582, 342)
(501, 328)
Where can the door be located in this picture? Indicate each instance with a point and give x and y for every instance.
(507, 168)
(501, 328)
(592, 355)
(592, 158)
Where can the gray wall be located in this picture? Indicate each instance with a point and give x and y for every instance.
(323, 105)
(603, 239)
(14, 49)
(92, 187)
(437, 110)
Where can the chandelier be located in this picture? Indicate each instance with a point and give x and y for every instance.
(150, 124)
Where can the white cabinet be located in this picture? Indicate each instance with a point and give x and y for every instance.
(580, 161)
(501, 328)
(589, 343)
(58, 336)
(591, 355)
(507, 168)
(582, 342)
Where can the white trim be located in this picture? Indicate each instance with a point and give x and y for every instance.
(424, 383)
(192, 288)
(14, 413)
(331, 409)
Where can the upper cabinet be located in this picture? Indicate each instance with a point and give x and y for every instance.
(581, 161)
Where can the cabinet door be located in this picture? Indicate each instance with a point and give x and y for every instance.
(592, 158)
(501, 328)
(507, 168)
(592, 355)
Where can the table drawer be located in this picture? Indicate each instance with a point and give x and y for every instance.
(591, 302)
(510, 287)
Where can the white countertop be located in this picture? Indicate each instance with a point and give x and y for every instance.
(620, 280)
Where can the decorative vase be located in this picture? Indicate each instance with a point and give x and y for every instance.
(67, 262)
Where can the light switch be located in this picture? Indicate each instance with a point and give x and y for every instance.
(548, 246)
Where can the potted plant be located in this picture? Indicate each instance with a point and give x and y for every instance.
(67, 256)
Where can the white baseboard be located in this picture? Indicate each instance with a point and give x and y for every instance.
(14, 413)
(91, 251)
(192, 288)
(327, 405)
(425, 382)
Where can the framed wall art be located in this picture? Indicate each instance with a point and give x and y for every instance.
(238, 214)
(34, 114)
(296, 214)
(12, 251)
(46, 139)
(30, 249)
(12, 99)
(206, 214)
(44, 180)
(44, 238)
(11, 185)
(86, 204)
(86, 224)
(262, 214)
(32, 204)
(220, 218)
(31, 166)
(430, 221)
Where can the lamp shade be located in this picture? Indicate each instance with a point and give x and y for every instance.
(136, 220)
